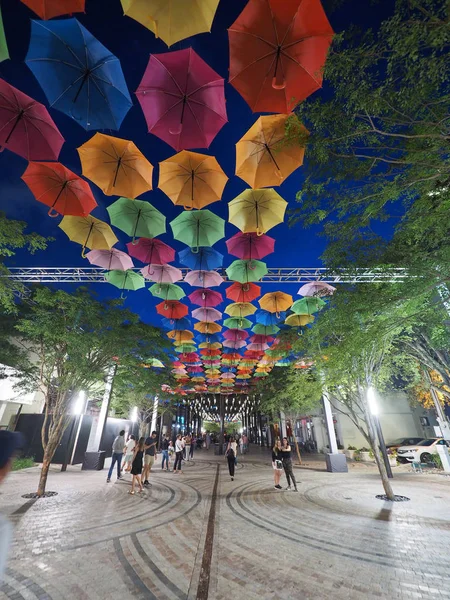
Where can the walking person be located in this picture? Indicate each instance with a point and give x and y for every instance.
(287, 465)
(129, 453)
(191, 452)
(165, 452)
(188, 443)
(117, 454)
(179, 447)
(149, 456)
(277, 464)
(207, 440)
(231, 456)
(136, 466)
(171, 451)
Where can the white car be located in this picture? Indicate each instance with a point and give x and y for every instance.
(421, 452)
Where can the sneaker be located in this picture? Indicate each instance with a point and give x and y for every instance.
(294, 490)
(232, 479)
(119, 478)
(278, 487)
(146, 482)
(288, 489)
(108, 481)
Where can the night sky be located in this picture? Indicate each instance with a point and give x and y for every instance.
(133, 43)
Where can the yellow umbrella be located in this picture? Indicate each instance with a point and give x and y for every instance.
(210, 346)
(180, 335)
(276, 302)
(257, 210)
(207, 327)
(240, 309)
(89, 232)
(175, 20)
(265, 156)
(116, 166)
(299, 320)
(192, 180)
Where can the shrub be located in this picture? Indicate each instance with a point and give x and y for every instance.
(437, 461)
(22, 463)
(351, 448)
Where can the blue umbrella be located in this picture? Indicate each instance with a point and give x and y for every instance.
(204, 259)
(267, 318)
(208, 337)
(176, 324)
(79, 76)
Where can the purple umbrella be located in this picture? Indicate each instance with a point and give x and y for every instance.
(162, 273)
(112, 260)
(207, 315)
(205, 279)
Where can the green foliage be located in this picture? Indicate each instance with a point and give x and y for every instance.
(22, 463)
(437, 461)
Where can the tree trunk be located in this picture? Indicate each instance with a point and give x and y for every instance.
(297, 449)
(43, 477)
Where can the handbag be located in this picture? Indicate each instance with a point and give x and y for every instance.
(279, 465)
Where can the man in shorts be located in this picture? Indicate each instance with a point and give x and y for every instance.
(149, 456)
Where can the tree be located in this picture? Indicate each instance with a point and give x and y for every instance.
(76, 339)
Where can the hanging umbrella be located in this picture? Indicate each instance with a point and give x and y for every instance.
(308, 305)
(185, 349)
(178, 324)
(173, 310)
(180, 336)
(182, 99)
(275, 302)
(112, 260)
(151, 251)
(116, 166)
(26, 128)
(240, 309)
(198, 228)
(299, 320)
(48, 9)
(207, 327)
(316, 288)
(208, 338)
(265, 329)
(277, 52)
(125, 280)
(205, 279)
(168, 291)
(243, 292)
(203, 259)
(137, 218)
(235, 334)
(207, 315)
(162, 273)
(235, 344)
(250, 245)
(79, 76)
(257, 210)
(192, 180)
(266, 317)
(245, 271)
(57, 187)
(265, 156)
(4, 52)
(211, 346)
(89, 232)
(154, 362)
(237, 323)
(204, 297)
(261, 339)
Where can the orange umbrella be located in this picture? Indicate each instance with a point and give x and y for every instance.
(264, 155)
(116, 166)
(47, 9)
(180, 336)
(276, 302)
(207, 327)
(192, 180)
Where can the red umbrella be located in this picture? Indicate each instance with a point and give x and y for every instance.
(209, 352)
(26, 128)
(205, 297)
(56, 186)
(277, 52)
(243, 292)
(250, 246)
(151, 250)
(47, 9)
(182, 99)
(261, 339)
(172, 309)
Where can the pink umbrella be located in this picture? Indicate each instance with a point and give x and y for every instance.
(205, 279)
(162, 273)
(26, 128)
(258, 347)
(236, 334)
(250, 246)
(189, 357)
(182, 99)
(204, 297)
(112, 260)
(261, 339)
(151, 251)
(195, 369)
(316, 288)
(235, 344)
(208, 315)
(228, 376)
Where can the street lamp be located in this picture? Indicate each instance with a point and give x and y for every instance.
(134, 414)
(78, 408)
(373, 407)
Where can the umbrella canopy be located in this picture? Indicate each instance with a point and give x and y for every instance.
(316, 288)
(153, 362)
(308, 305)
(237, 323)
(137, 218)
(205, 297)
(178, 324)
(266, 317)
(240, 309)
(173, 310)
(275, 302)
(125, 280)
(175, 21)
(26, 128)
(299, 320)
(250, 245)
(168, 291)
(203, 259)
(162, 273)
(235, 344)
(198, 228)
(116, 166)
(89, 232)
(207, 315)
(235, 334)
(151, 251)
(206, 279)
(183, 99)
(243, 292)
(264, 157)
(192, 180)
(207, 327)
(59, 188)
(79, 76)
(208, 338)
(245, 271)
(265, 329)
(257, 210)
(277, 52)
(48, 9)
(180, 336)
(112, 260)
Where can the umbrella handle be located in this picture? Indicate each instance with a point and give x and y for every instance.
(259, 233)
(122, 297)
(251, 267)
(83, 252)
(53, 213)
(279, 82)
(188, 207)
(195, 250)
(246, 287)
(176, 130)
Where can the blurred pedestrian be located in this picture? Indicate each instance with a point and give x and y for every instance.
(117, 455)
(136, 467)
(230, 455)
(187, 446)
(179, 447)
(277, 464)
(129, 453)
(193, 442)
(150, 456)
(165, 452)
(287, 465)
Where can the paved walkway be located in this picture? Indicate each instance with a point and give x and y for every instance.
(333, 540)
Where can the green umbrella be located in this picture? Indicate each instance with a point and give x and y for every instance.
(125, 280)
(137, 218)
(237, 323)
(307, 306)
(261, 375)
(4, 54)
(167, 291)
(283, 364)
(274, 352)
(245, 271)
(185, 348)
(265, 329)
(198, 228)
(153, 362)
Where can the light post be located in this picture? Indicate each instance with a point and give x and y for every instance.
(373, 407)
(79, 408)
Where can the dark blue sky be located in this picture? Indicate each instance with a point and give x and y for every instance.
(133, 44)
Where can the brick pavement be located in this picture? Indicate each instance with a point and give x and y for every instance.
(333, 540)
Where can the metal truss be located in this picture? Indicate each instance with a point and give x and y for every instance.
(275, 275)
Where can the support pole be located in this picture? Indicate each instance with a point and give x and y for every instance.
(99, 423)
(222, 422)
(336, 462)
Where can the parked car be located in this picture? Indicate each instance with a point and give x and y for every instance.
(404, 441)
(421, 452)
